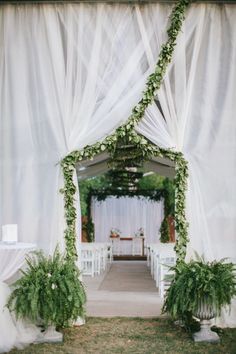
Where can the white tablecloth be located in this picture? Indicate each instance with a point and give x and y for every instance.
(12, 258)
(13, 333)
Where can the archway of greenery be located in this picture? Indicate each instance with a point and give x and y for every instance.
(128, 130)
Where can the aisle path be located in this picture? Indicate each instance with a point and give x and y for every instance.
(126, 289)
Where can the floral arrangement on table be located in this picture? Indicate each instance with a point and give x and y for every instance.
(140, 232)
(115, 233)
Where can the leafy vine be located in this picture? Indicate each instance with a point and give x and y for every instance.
(109, 143)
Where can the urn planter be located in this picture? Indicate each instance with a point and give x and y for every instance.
(50, 335)
(200, 289)
(205, 313)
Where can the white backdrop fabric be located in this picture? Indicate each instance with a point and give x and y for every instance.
(198, 100)
(70, 74)
(127, 215)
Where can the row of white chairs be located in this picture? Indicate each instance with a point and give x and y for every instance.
(94, 257)
(160, 258)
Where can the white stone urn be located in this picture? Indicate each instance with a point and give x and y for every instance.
(205, 313)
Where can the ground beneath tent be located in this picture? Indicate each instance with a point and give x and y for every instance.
(126, 289)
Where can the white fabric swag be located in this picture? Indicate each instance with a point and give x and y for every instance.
(127, 215)
(70, 74)
(197, 101)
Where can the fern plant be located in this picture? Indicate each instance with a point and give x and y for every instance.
(49, 291)
(215, 282)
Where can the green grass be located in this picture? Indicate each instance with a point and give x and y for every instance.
(132, 335)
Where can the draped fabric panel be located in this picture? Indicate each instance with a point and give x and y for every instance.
(128, 215)
(197, 117)
(70, 74)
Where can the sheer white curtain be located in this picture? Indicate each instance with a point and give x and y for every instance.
(70, 74)
(128, 215)
(197, 100)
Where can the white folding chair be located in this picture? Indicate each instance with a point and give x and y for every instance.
(162, 251)
(164, 270)
(87, 258)
(109, 252)
(153, 254)
(148, 252)
(103, 255)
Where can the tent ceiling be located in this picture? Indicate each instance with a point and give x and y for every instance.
(99, 165)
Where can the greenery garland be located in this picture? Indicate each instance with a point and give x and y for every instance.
(164, 231)
(109, 143)
(169, 210)
(102, 194)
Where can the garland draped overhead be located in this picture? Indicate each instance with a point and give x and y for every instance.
(109, 143)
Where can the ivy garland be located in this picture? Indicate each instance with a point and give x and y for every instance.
(109, 143)
(101, 195)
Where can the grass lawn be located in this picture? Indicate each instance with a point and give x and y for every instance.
(132, 335)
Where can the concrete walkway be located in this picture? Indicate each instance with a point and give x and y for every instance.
(126, 289)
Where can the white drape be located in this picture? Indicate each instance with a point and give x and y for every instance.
(70, 74)
(198, 102)
(128, 215)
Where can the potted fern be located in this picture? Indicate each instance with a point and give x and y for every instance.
(49, 293)
(200, 289)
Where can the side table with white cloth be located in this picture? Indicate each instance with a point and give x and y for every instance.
(13, 333)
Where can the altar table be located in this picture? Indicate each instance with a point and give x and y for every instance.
(128, 245)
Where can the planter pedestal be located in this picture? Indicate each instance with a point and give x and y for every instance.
(50, 335)
(206, 334)
(205, 313)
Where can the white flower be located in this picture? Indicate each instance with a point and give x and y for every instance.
(115, 231)
(54, 286)
(49, 275)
